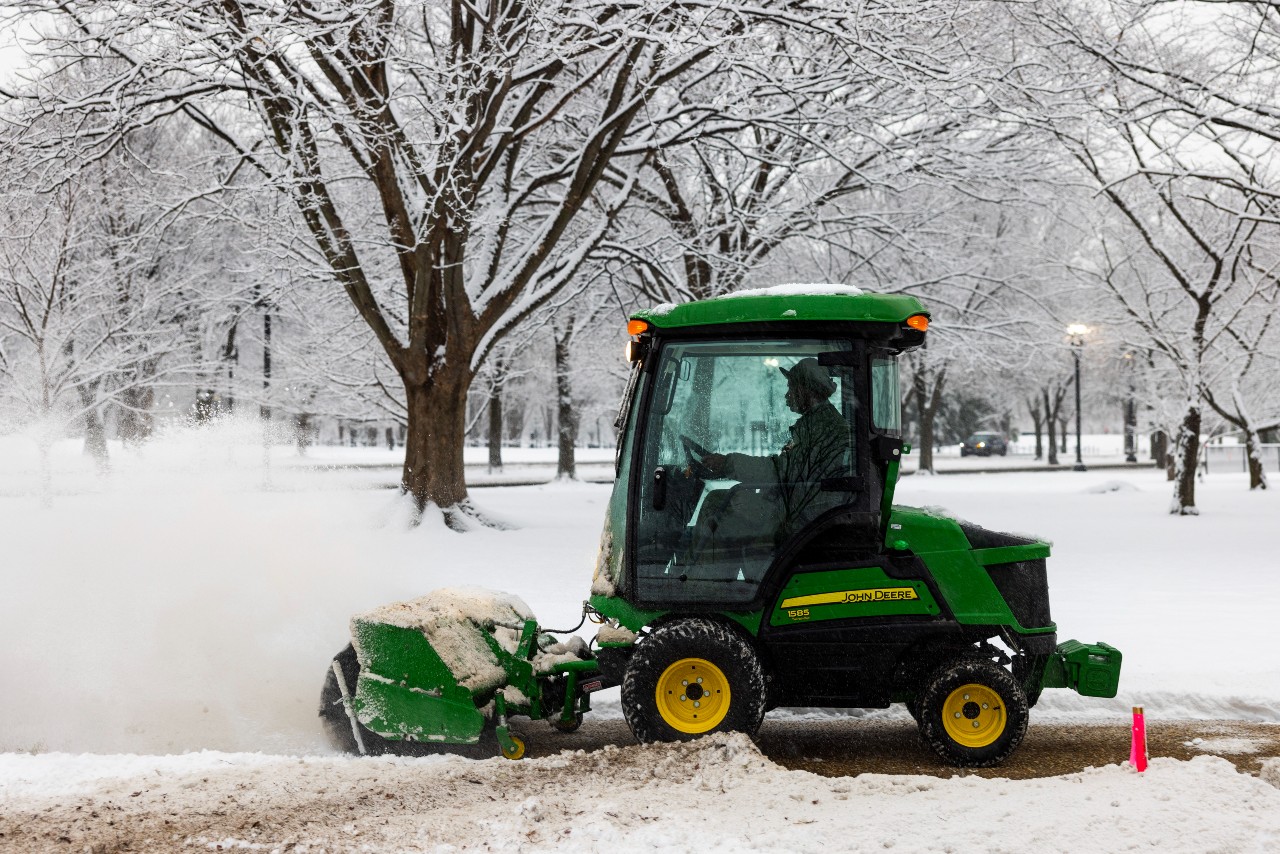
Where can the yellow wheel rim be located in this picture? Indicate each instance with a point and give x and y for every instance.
(974, 715)
(693, 695)
(518, 752)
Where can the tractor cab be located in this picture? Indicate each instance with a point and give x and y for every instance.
(760, 430)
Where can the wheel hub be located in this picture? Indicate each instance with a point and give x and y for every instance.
(974, 715)
(693, 695)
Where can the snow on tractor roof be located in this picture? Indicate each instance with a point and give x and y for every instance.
(791, 302)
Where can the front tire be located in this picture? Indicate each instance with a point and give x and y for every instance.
(973, 713)
(691, 677)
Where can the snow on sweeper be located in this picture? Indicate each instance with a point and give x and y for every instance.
(751, 558)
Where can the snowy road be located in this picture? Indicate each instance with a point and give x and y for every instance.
(836, 746)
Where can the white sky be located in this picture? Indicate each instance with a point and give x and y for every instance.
(12, 53)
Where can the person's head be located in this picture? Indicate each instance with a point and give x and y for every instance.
(808, 384)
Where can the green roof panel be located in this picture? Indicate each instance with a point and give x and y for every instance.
(786, 302)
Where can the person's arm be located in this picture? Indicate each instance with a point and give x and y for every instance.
(749, 468)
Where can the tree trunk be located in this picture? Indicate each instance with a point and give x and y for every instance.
(495, 428)
(1257, 474)
(1051, 422)
(566, 417)
(433, 467)
(1241, 419)
(1187, 452)
(95, 439)
(95, 433)
(1160, 449)
(927, 402)
(231, 357)
(1037, 418)
(1064, 423)
(136, 423)
(302, 432)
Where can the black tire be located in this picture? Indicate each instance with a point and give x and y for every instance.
(913, 708)
(567, 726)
(337, 726)
(984, 699)
(685, 652)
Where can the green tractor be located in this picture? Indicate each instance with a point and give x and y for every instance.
(752, 558)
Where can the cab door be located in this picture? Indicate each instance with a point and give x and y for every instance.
(707, 540)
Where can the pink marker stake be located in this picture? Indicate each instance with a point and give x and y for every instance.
(1138, 753)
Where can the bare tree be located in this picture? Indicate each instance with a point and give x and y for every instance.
(1179, 145)
(83, 322)
(476, 134)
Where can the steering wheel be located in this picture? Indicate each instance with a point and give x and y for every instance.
(694, 454)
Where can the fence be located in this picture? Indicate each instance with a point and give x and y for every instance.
(1221, 459)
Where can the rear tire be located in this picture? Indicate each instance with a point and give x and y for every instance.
(691, 677)
(973, 713)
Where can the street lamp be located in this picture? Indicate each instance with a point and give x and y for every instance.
(1077, 331)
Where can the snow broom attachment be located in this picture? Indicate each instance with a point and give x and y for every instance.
(438, 668)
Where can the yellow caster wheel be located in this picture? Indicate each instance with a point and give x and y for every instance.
(517, 749)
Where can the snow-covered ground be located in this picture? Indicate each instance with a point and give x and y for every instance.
(717, 795)
(191, 601)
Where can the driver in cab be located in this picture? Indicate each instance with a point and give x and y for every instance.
(819, 437)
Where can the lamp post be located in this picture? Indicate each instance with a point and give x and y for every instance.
(1077, 331)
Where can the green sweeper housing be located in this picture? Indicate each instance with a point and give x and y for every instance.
(752, 558)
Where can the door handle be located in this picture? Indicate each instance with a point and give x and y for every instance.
(660, 477)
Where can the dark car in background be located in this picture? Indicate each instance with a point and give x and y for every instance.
(984, 445)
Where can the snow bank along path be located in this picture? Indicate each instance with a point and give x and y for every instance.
(716, 794)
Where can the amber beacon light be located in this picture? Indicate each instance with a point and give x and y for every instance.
(917, 321)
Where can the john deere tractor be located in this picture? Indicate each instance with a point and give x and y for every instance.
(752, 558)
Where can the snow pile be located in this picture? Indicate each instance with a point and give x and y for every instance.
(718, 791)
(453, 620)
(615, 634)
(1111, 486)
(1233, 746)
(551, 654)
(787, 290)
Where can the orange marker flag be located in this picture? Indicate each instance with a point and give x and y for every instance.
(1138, 752)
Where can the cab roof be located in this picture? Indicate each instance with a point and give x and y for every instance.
(786, 303)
